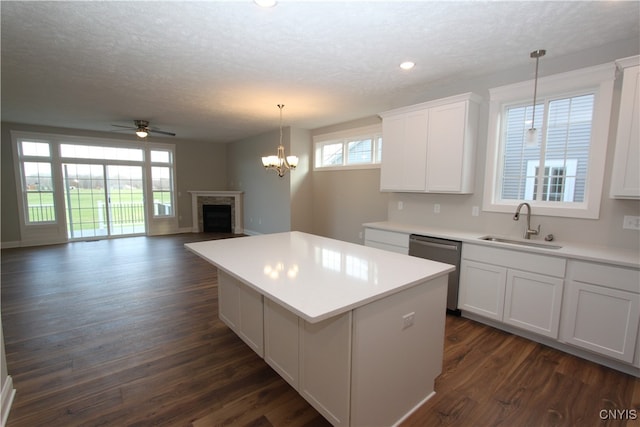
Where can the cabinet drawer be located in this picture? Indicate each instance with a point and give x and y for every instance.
(387, 237)
(625, 279)
(525, 261)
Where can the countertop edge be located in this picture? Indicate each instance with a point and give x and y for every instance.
(327, 314)
(601, 254)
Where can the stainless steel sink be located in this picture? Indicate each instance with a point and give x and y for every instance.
(519, 242)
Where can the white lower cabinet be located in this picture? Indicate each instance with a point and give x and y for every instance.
(504, 285)
(482, 288)
(602, 310)
(325, 367)
(241, 308)
(281, 341)
(532, 302)
(387, 240)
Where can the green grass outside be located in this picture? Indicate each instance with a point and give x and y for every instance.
(84, 203)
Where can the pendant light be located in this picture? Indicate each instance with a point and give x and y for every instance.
(279, 162)
(532, 132)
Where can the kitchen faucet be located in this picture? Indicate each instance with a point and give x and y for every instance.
(528, 231)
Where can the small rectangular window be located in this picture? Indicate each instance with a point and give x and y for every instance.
(162, 182)
(37, 181)
(96, 152)
(356, 148)
(37, 149)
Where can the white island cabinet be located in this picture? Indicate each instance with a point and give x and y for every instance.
(357, 331)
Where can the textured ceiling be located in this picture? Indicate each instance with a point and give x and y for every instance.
(214, 71)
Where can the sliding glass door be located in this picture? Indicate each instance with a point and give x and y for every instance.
(103, 200)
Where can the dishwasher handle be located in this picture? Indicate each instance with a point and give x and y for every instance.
(448, 246)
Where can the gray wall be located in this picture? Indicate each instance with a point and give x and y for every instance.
(199, 166)
(344, 200)
(302, 194)
(266, 196)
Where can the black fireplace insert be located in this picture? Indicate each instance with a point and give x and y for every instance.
(216, 218)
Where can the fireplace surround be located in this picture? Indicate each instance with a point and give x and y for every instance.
(231, 198)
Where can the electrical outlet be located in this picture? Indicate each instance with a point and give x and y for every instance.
(631, 222)
(475, 211)
(400, 205)
(436, 208)
(408, 319)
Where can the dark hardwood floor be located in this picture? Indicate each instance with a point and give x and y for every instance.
(126, 332)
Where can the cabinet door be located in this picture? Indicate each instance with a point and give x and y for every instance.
(240, 308)
(228, 301)
(281, 341)
(482, 288)
(625, 178)
(602, 320)
(533, 301)
(445, 149)
(404, 152)
(325, 366)
(251, 318)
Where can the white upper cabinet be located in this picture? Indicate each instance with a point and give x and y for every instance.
(430, 147)
(404, 150)
(625, 178)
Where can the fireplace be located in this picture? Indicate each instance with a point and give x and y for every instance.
(216, 218)
(227, 199)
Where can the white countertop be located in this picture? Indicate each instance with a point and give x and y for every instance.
(568, 250)
(316, 277)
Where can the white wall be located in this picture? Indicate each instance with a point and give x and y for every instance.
(456, 209)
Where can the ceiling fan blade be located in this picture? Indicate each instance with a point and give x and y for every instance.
(126, 127)
(162, 132)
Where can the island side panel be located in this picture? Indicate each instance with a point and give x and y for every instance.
(325, 366)
(395, 364)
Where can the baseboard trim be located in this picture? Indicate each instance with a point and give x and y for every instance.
(9, 245)
(8, 393)
(414, 409)
(558, 345)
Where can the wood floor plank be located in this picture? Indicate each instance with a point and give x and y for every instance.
(126, 332)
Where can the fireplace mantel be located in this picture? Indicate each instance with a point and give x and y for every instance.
(196, 215)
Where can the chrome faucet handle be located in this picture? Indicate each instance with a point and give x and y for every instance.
(530, 231)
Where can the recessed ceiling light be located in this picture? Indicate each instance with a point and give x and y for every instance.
(265, 3)
(407, 65)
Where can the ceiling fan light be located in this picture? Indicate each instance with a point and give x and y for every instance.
(407, 65)
(142, 133)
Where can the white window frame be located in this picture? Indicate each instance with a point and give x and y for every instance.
(600, 79)
(56, 232)
(344, 137)
(171, 165)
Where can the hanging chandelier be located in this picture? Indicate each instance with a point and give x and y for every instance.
(279, 162)
(532, 132)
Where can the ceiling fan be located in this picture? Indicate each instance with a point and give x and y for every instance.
(142, 129)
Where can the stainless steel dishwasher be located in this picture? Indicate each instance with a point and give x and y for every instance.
(442, 250)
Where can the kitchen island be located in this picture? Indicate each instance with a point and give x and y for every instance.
(357, 331)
